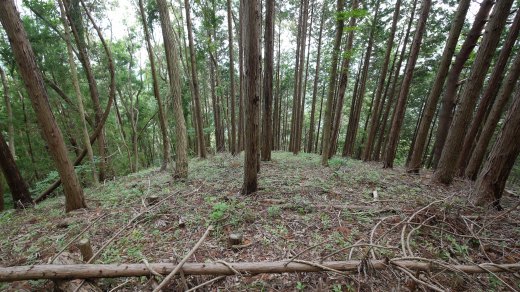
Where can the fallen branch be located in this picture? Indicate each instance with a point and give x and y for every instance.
(83, 271)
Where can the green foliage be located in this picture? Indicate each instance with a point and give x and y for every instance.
(219, 210)
(300, 286)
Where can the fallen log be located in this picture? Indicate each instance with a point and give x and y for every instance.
(72, 285)
(83, 271)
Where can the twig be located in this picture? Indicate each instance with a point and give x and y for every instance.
(150, 268)
(306, 250)
(206, 283)
(168, 278)
(229, 266)
(407, 272)
(358, 245)
(319, 266)
(403, 231)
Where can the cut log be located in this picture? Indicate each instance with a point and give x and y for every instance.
(235, 238)
(67, 259)
(83, 271)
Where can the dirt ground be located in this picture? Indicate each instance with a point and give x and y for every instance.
(301, 209)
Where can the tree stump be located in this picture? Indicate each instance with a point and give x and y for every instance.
(86, 249)
(235, 238)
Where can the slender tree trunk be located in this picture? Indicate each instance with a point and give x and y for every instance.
(2, 207)
(241, 101)
(19, 190)
(492, 179)
(397, 122)
(493, 118)
(377, 106)
(231, 80)
(327, 124)
(10, 124)
(448, 161)
(316, 150)
(267, 130)
(162, 115)
(452, 82)
(343, 80)
(251, 23)
(302, 83)
(28, 138)
(34, 83)
(73, 12)
(310, 140)
(277, 98)
(440, 78)
(79, 96)
(172, 60)
(489, 95)
(347, 148)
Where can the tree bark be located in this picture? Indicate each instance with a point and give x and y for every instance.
(397, 121)
(493, 118)
(155, 83)
(34, 83)
(489, 95)
(327, 124)
(172, 61)
(450, 91)
(312, 126)
(448, 161)
(251, 24)
(492, 179)
(433, 98)
(72, 9)
(233, 135)
(277, 97)
(10, 124)
(267, 129)
(77, 91)
(343, 79)
(19, 190)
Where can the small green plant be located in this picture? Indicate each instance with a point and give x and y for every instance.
(219, 209)
(300, 286)
(337, 288)
(274, 211)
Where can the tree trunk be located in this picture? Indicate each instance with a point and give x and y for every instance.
(310, 140)
(233, 135)
(34, 83)
(251, 23)
(79, 96)
(172, 60)
(397, 121)
(241, 101)
(73, 12)
(450, 92)
(492, 179)
(448, 161)
(156, 93)
(10, 124)
(378, 104)
(327, 124)
(493, 118)
(343, 78)
(277, 98)
(267, 130)
(433, 98)
(19, 190)
(489, 95)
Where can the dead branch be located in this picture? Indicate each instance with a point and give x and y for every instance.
(83, 271)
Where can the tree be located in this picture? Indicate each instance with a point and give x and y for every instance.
(34, 83)
(19, 190)
(493, 118)
(9, 109)
(157, 95)
(489, 95)
(492, 179)
(310, 140)
(232, 81)
(452, 82)
(77, 91)
(446, 168)
(377, 107)
(397, 120)
(251, 24)
(433, 98)
(267, 129)
(327, 124)
(172, 61)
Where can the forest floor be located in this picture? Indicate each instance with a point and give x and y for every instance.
(300, 207)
